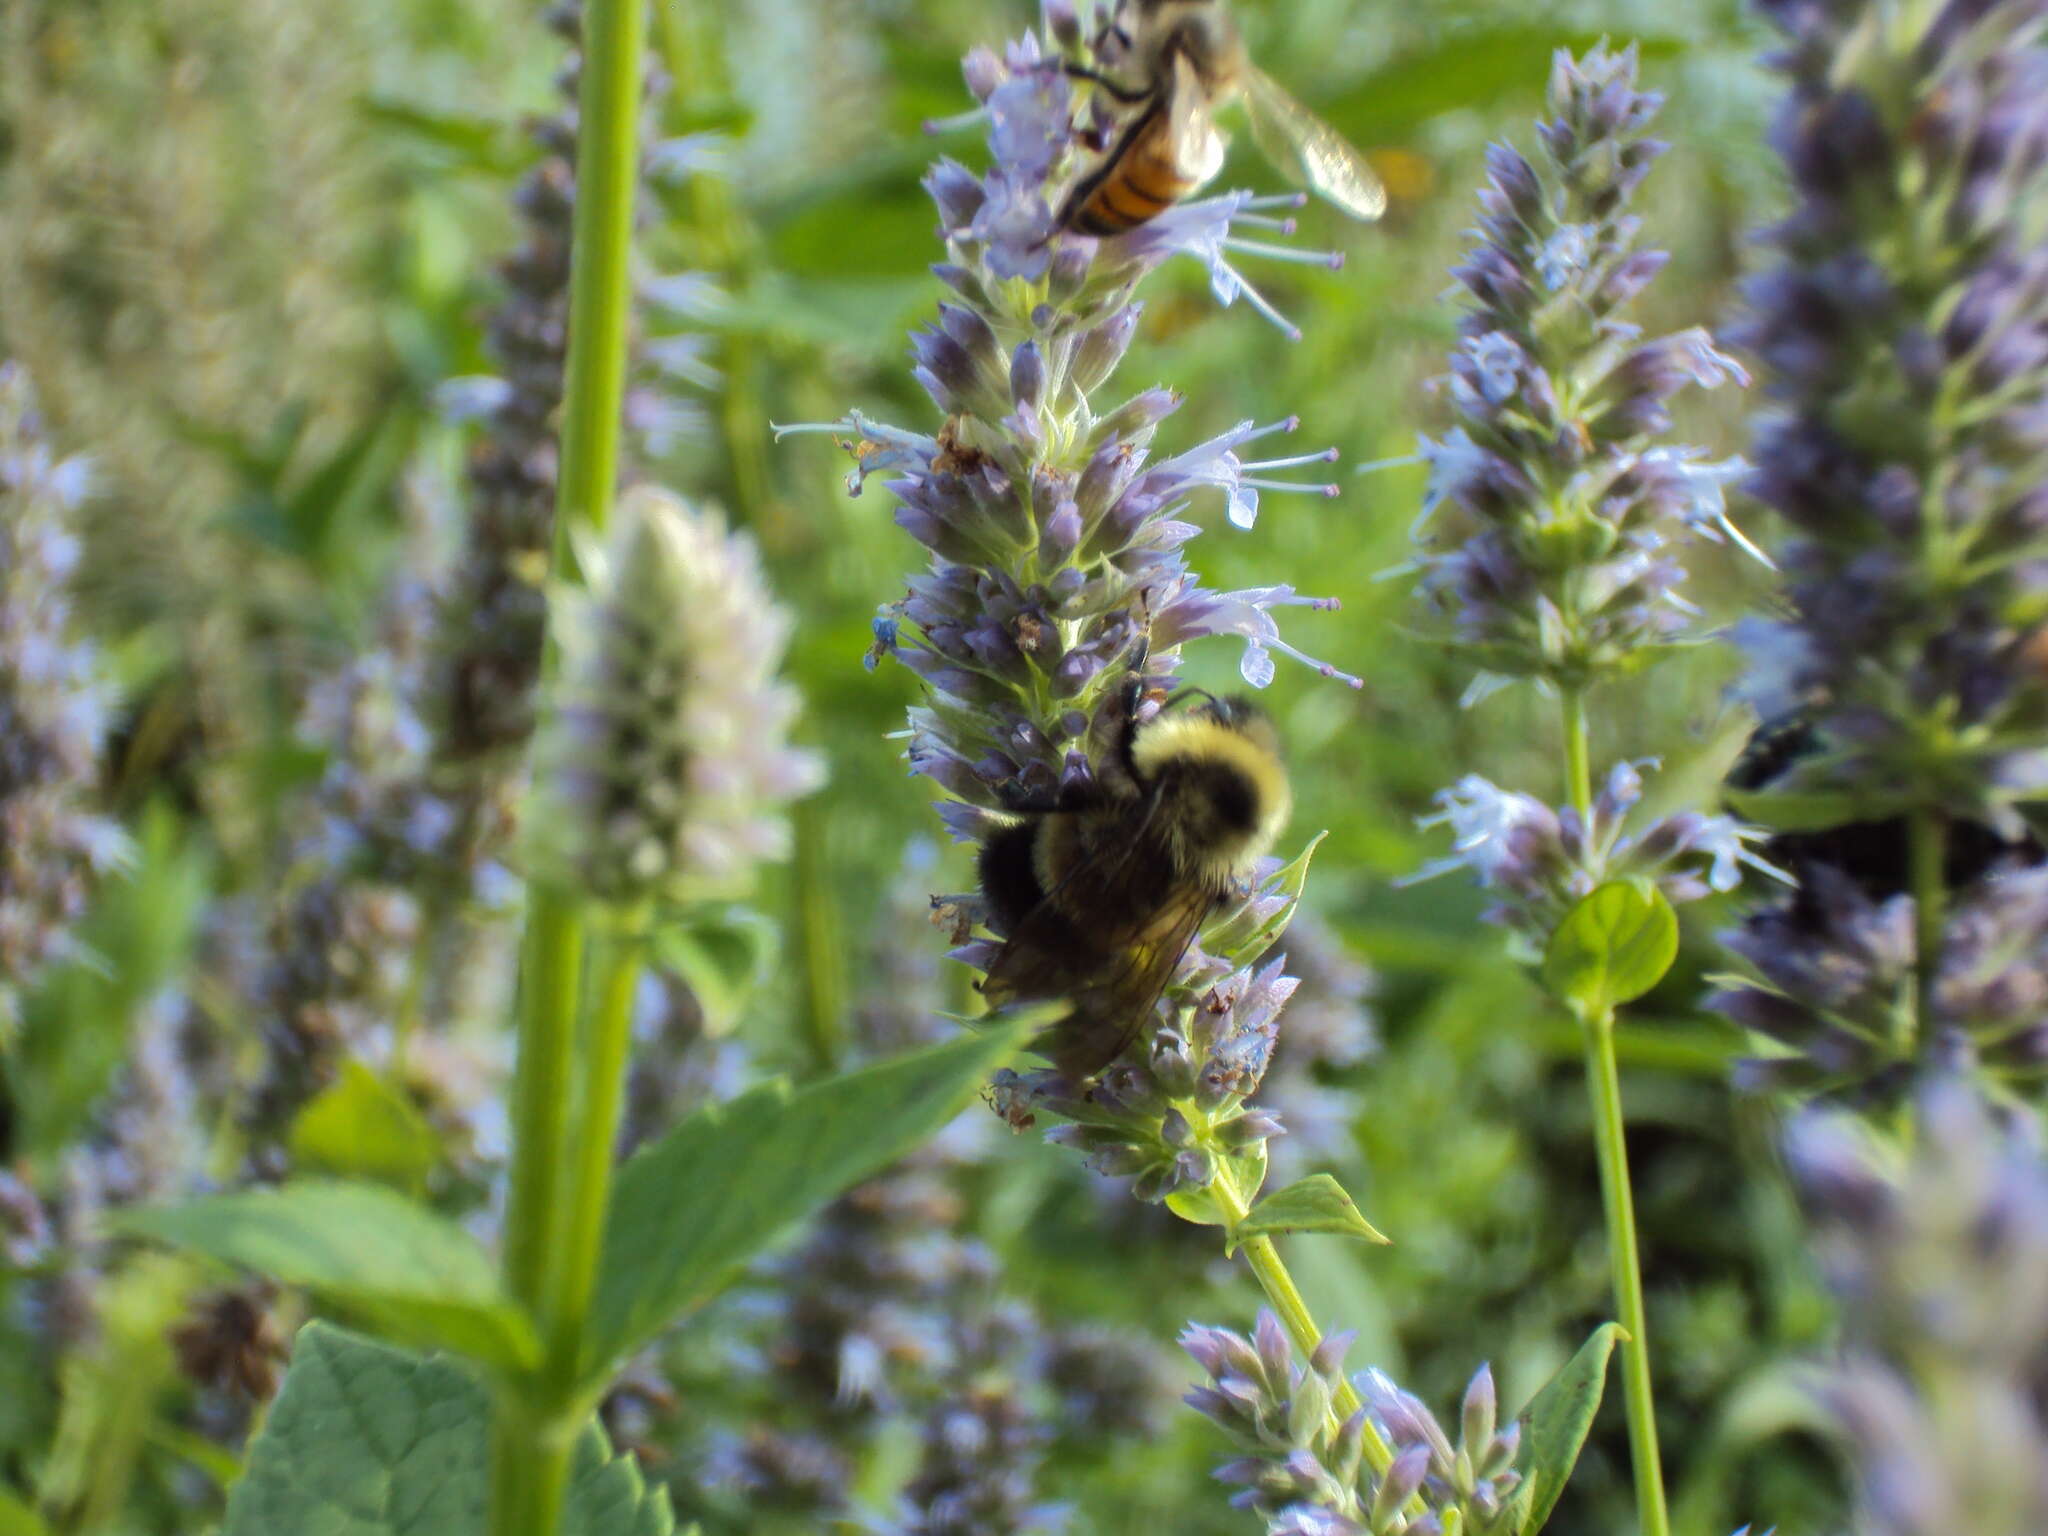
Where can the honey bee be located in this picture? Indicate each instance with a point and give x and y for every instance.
(1098, 895)
(1187, 62)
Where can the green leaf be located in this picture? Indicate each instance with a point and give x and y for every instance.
(700, 1202)
(17, 1519)
(367, 1440)
(359, 1126)
(408, 1273)
(1239, 935)
(1317, 1203)
(1612, 947)
(1801, 810)
(723, 953)
(1554, 1427)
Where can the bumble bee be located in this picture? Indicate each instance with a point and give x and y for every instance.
(1098, 894)
(1188, 61)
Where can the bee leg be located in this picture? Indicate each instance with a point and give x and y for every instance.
(1035, 800)
(1128, 96)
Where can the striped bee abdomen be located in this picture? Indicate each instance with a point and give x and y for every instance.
(1139, 181)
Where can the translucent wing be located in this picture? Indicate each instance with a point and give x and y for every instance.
(1308, 151)
(1194, 144)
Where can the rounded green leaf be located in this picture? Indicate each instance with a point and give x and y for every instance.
(1612, 947)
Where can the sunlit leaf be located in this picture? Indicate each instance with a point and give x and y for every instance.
(406, 1272)
(367, 1440)
(694, 1206)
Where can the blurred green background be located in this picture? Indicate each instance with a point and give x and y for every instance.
(244, 246)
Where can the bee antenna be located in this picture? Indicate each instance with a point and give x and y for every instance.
(1179, 695)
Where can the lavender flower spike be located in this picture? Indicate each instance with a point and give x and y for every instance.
(663, 767)
(1904, 340)
(1554, 513)
(1940, 1263)
(1056, 595)
(54, 703)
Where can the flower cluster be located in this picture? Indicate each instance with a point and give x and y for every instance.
(1940, 1262)
(54, 702)
(663, 766)
(1904, 334)
(1554, 509)
(1057, 588)
(1306, 1475)
(1540, 861)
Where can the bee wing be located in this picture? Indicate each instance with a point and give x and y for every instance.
(1111, 978)
(1308, 151)
(1192, 136)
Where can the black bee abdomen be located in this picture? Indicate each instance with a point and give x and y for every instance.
(1217, 796)
(1009, 875)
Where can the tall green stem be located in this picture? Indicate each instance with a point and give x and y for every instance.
(1927, 854)
(1271, 1271)
(1578, 753)
(550, 976)
(534, 1435)
(1603, 1085)
(608, 1041)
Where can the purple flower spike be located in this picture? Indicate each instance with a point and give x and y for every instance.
(1555, 441)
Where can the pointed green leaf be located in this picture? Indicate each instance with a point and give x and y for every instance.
(1239, 934)
(367, 1440)
(1317, 1203)
(409, 1274)
(359, 1126)
(1612, 947)
(1554, 1428)
(700, 1202)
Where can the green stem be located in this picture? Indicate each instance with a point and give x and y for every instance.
(1263, 1256)
(587, 1196)
(1603, 1083)
(821, 994)
(529, 1469)
(1578, 754)
(600, 287)
(1928, 854)
(550, 979)
(533, 1436)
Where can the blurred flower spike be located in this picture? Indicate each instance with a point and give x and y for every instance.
(1904, 342)
(664, 765)
(1940, 1262)
(1903, 333)
(55, 699)
(1554, 515)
